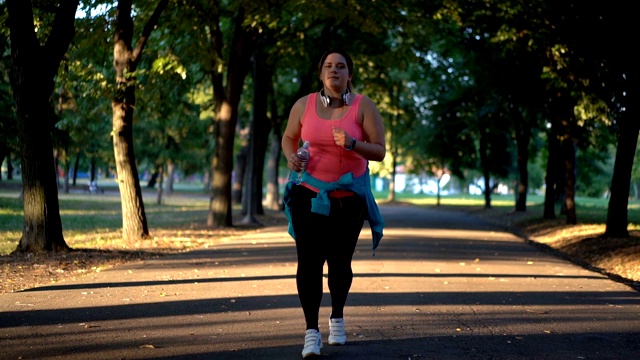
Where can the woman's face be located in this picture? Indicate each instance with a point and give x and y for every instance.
(335, 73)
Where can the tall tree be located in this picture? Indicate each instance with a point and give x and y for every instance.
(125, 63)
(32, 78)
(624, 84)
(226, 100)
(258, 138)
(552, 170)
(272, 196)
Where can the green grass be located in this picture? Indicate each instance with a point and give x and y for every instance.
(89, 219)
(589, 210)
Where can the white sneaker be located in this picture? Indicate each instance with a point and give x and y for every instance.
(312, 343)
(337, 335)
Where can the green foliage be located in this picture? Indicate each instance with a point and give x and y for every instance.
(170, 128)
(84, 89)
(635, 174)
(594, 172)
(452, 80)
(536, 172)
(8, 122)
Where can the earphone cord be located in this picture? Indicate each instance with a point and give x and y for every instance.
(337, 146)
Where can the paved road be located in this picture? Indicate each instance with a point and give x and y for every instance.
(442, 286)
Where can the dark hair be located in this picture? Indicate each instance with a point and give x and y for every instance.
(337, 51)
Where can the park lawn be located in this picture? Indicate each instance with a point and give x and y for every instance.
(95, 221)
(92, 226)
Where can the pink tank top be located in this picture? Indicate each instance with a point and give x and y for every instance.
(328, 161)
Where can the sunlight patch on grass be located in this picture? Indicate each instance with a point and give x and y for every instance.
(159, 209)
(458, 201)
(85, 212)
(187, 202)
(10, 212)
(103, 239)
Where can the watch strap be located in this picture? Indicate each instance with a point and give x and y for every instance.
(353, 144)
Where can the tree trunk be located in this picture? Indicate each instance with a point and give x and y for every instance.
(438, 191)
(569, 155)
(523, 137)
(392, 183)
(561, 178)
(125, 61)
(56, 166)
(617, 216)
(160, 185)
(239, 174)
(220, 214)
(553, 172)
(226, 100)
(3, 154)
(171, 170)
(261, 127)
(248, 198)
(393, 96)
(93, 170)
(75, 169)
(484, 161)
(9, 168)
(487, 189)
(153, 179)
(272, 197)
(207, 181)
(32, 72)
(134, 220)
(66, 183)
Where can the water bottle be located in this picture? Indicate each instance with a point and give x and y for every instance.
(303, 155)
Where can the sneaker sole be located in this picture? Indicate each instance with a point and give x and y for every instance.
(311, 354)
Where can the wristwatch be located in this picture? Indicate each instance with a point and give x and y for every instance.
(353, 144)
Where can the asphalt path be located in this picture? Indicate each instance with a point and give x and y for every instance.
(442, 285)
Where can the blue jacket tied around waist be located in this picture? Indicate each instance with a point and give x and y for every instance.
(321, 205)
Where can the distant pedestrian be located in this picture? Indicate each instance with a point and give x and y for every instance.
(327, 210)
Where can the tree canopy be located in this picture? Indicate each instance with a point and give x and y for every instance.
(476, 90)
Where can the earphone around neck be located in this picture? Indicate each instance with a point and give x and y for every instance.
(326, 100)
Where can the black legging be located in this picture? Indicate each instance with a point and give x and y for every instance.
(321, 238)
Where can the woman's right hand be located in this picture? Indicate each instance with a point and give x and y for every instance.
(294, 163)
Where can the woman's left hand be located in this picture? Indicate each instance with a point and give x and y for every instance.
(341, 137)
